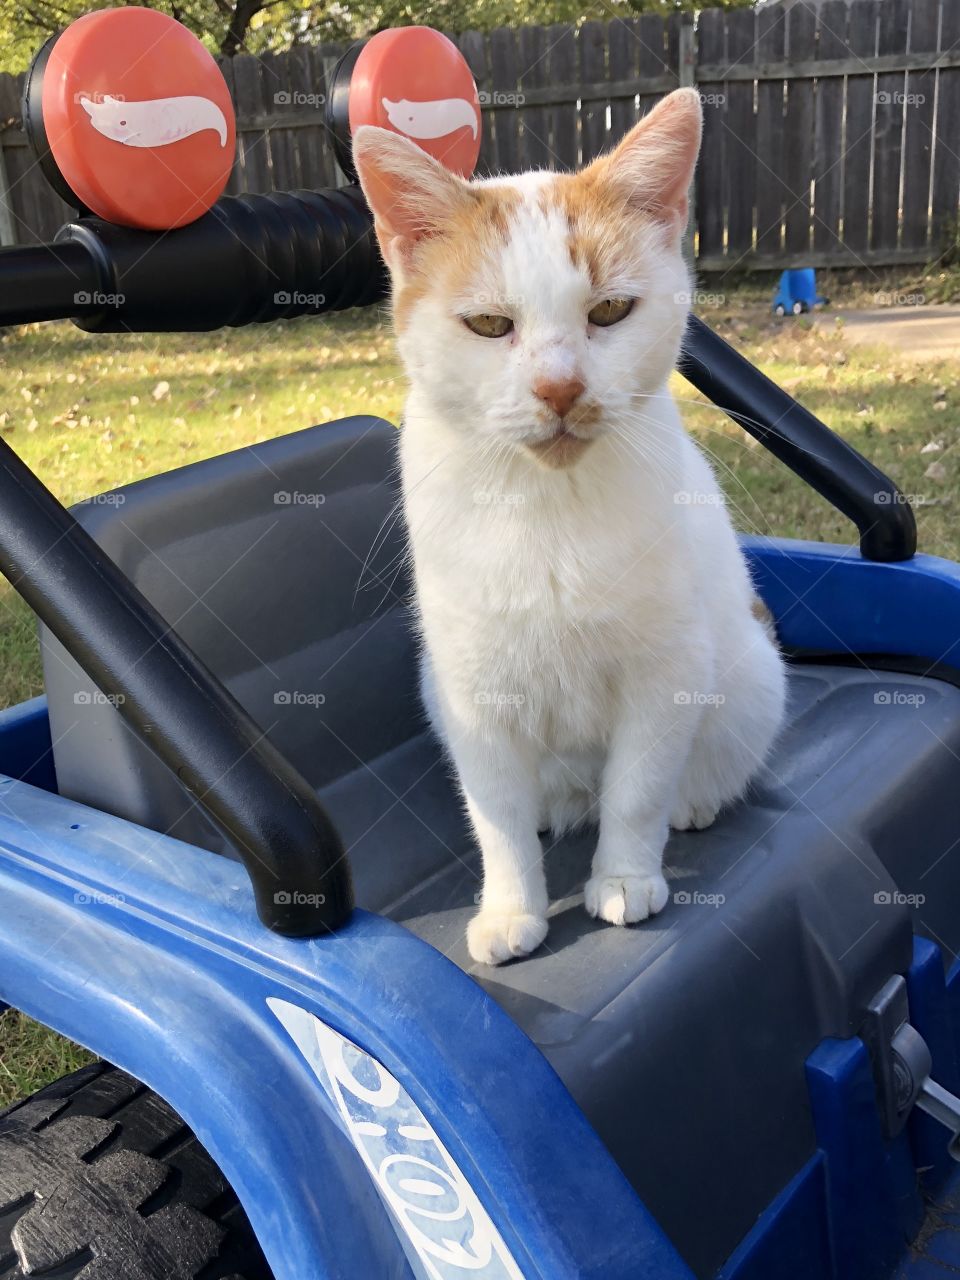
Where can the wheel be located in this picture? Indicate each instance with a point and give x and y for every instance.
(780, 310)
(798, 308)
(101, 1180)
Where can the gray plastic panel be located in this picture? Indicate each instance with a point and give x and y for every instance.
(683, 1039)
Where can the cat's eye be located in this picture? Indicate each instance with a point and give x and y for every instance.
(610, 310)
(488, 325)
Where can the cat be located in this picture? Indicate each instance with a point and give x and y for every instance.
(592, 644)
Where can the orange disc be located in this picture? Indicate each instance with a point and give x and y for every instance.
(138, 118)
(417, 82)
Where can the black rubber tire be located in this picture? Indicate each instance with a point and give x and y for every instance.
(101, 1180)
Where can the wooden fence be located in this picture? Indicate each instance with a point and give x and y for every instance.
(832, 128)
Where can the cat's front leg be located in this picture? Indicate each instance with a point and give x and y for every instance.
(647, 755)
(498, 775)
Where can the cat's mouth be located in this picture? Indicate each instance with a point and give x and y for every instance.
(560, 450)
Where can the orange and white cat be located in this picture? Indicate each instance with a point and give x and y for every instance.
(591, 642)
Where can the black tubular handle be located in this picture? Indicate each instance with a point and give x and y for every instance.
(176, 707)
(884, 518)
(249, 259)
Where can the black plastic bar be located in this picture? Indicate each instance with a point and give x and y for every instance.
(884, 518)
(42, 282)
(176, 706)
(251, 259)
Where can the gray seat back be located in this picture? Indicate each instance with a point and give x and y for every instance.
(282, 565)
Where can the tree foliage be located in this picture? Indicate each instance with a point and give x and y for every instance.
(256, 26)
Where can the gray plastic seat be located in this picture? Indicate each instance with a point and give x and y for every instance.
(684, 1038)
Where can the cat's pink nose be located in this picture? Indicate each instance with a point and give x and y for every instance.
(561, 394)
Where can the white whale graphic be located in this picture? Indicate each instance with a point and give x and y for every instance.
(155, 122)
(431, 119)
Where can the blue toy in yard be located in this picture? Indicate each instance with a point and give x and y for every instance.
(234, 865)
(797, 292)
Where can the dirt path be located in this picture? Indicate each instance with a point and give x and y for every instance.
(921, 333)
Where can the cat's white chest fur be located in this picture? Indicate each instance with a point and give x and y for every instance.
(539, 594)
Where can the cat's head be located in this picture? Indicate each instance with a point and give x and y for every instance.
(537, 311)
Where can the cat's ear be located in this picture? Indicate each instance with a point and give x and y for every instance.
(411, 194)
(653, 164)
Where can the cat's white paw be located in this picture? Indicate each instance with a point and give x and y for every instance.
(625, 899)
(495, 936)
(693, 817)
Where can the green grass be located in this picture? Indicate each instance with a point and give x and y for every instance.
(90, 412)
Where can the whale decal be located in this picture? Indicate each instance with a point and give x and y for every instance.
(155, 122)
(431, 119)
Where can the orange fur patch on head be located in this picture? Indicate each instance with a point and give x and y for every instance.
(597, 218)
(448, 260)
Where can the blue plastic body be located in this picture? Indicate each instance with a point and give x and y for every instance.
(798, 285)
(148, 951)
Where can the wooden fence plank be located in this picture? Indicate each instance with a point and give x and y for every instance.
(798, 131)
(828, 131)
(535, 140)
(770, 180)
(888, 129)
(858, 143)
(653, 64)
(740, 137)
(561, 69)
(254, 146)
(623, 64)
(710, 182)
(592, 42)
(918, 135)
(504, 78)
(946, 147)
